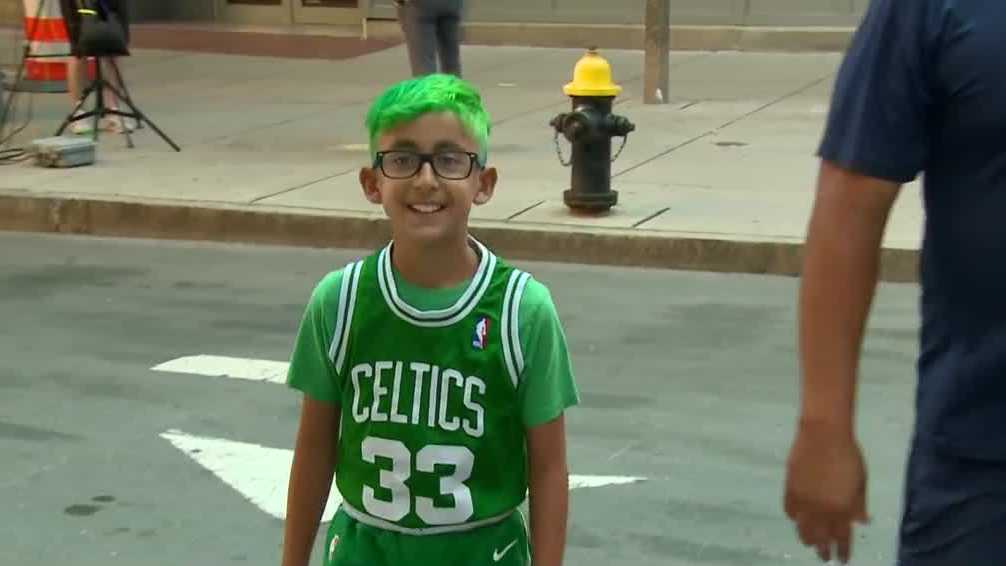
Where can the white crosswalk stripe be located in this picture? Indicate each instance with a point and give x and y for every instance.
(224, 366)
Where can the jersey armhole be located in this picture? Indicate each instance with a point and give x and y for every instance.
(344, 318)
(513, 356)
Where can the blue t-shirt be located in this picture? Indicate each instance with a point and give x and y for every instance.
(923, 90)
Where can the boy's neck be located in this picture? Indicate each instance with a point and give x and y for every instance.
(435, 265)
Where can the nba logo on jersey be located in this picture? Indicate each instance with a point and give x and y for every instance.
(481, 335)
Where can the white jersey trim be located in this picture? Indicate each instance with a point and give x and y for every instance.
(510, 325)
(515, 322)
(442, 317)
(372, 521)
(344, 318)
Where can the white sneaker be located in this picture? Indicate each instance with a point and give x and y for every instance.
(117, 124)
(82, 127)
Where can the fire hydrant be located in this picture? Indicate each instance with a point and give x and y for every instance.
(589, 128)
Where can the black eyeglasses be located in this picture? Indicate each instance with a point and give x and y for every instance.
(451, 165)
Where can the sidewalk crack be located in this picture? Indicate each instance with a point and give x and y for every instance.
(651, 217)
(729, 123)
(769, 104)
(528, 209)
(257, 200)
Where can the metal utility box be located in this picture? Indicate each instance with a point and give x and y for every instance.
(63, 151)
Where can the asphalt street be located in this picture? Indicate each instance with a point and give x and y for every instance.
(687, 379)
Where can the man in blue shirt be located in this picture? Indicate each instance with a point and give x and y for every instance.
(922, 90)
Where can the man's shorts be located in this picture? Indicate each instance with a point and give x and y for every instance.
(955, 510)
(352, 543)
(72, 19)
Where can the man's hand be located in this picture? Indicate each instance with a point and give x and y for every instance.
(826, 488)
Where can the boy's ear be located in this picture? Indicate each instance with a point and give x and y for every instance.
(487, 185)
(368, 182)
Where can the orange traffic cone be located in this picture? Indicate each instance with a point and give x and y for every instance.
(45, 62)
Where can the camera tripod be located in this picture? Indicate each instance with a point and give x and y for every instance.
(98, 87)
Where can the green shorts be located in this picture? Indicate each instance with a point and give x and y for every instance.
(352, 543)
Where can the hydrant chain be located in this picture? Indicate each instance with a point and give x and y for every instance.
(625, 140)
(567, 162)
(558, 151)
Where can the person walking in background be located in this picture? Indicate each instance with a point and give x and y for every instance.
(77, 63)
(432, 29)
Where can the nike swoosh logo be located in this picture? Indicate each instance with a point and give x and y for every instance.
(498, 555)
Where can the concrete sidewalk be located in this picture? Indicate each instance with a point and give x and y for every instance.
(719, 179)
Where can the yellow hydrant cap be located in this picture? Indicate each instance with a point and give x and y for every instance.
(592, 77)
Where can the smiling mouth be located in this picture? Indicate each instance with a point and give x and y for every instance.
(426, 208)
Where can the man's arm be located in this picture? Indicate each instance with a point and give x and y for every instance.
(549, 491)
(840, 275)
(826, 483)
(310, 479)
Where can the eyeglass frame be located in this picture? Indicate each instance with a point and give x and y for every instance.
(424, 158)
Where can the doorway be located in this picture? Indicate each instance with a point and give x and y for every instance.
(283, 12)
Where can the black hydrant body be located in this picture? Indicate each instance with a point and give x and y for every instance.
(589, 128)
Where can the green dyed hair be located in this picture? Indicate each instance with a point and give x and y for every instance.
(408, 100)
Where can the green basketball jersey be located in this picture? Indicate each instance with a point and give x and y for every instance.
(431, 433)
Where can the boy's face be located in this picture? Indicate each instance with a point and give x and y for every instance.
(426, 207)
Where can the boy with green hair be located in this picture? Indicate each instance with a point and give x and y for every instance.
(435, 375)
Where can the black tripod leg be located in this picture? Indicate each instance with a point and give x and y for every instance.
(13, 87)
(119, 114)
(80, 104)
(129, 136)
(140, 116)
(128, 99)
(124, 125)
(121, 97)
(99, 104)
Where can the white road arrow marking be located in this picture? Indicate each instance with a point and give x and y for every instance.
(223, 366)
(261, 474)
(576, 482)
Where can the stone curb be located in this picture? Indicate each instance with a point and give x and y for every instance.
(103, 216)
